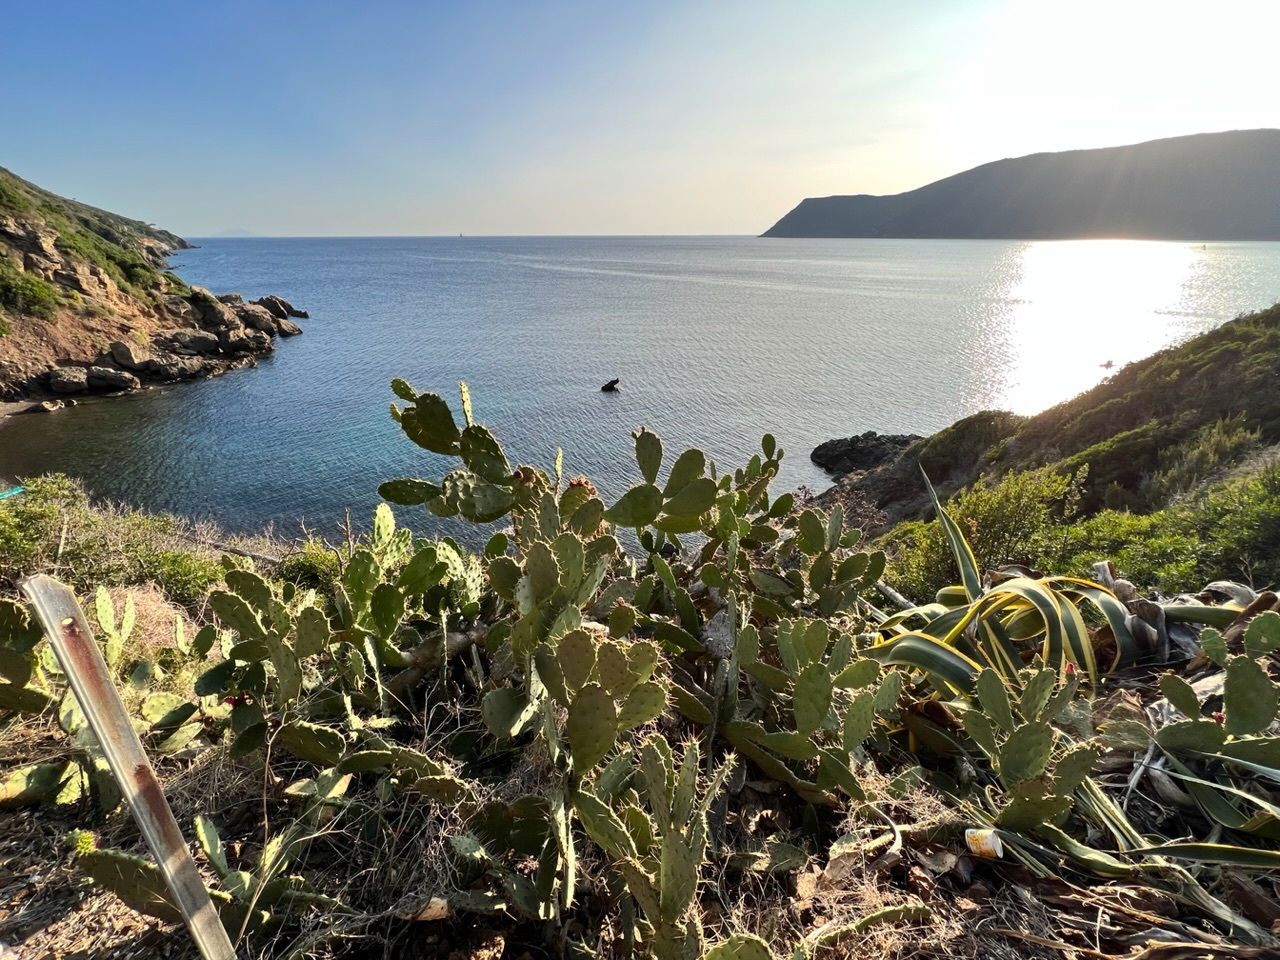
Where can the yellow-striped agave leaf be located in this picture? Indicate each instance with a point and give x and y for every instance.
(941, 662)
(970, 576)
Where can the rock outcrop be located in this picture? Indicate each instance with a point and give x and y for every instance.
(865, 452)
(281, 308)
(86, 304)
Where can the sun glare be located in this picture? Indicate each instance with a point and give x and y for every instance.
(1077, 309)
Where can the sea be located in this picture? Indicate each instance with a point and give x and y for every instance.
(714, 341)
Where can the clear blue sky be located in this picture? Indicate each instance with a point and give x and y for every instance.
(401, 117)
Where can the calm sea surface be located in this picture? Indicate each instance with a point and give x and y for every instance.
(716, 340)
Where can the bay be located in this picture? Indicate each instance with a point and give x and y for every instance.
(716, 340)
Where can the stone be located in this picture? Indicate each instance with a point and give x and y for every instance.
(259, 342)
(130, 356)
(231, 299)
(274, 305)
(281, 308)
(69, 380)
(211, 313)
(179, 309)
(865, 452)
(172, 367)
(234, 341)
(109, 378)
(193, 341)
(258, 317)
(287, 328)
(49, 406)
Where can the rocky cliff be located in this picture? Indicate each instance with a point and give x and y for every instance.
(87, 304)
(1211, 186)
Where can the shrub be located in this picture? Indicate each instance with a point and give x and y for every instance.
(177, 286)
(1011, 522)
(1213, 448)
(313, 567)
(54, 528)
(23, 292)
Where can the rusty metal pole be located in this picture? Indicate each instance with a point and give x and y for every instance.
(68, 631)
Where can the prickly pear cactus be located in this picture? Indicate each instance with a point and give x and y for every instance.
(659, 847)
(22, 687)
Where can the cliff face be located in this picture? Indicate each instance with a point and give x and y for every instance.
(87, 304)
(1212, 186)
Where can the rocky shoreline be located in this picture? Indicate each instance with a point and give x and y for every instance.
(88, 305)
(209, 336)
(219, 334)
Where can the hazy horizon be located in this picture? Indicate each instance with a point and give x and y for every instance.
(569, 119)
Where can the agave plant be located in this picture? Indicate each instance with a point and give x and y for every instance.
(1001, 622)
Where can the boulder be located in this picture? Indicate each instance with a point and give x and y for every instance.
(258, 317)
(287, 328)
(281, 308)
(179, 309)
(69, 380)
(49, 406)
(259, 342)
(193, 341)
(130, 356)
(865, 452)
(273, 305)
(231, 299)
(211, 313)
(172, 367)
(109, 378)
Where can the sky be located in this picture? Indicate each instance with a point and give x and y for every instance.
(393, 117)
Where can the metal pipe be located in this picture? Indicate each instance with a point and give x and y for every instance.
(68, 631)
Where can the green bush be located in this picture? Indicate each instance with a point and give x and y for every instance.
(22, 292)
(1211, 450)
(1016, 521)
(1229, 531)
(128, 268)
(314, 566)
(53, 527)
(12, 198)
(177, 286)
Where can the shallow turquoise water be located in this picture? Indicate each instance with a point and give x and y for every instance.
(716, 340)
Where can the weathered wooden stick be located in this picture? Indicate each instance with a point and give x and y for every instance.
(68, 631)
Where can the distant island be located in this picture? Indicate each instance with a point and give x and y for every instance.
(1209, 186)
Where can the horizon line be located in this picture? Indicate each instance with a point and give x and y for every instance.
(448, 236)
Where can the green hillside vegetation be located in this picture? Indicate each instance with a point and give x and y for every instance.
(1226, 530)
(715, 746)
(116, 244)
(1142, 434)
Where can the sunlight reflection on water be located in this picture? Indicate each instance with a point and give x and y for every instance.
(1073, 307)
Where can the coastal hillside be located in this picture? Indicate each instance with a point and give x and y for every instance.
(87, 303)
(1137, 439)
(1211, 186)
